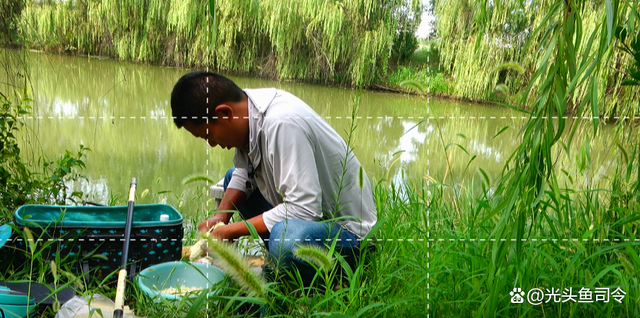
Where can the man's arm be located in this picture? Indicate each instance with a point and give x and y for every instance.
(237, 229)
(230, 201)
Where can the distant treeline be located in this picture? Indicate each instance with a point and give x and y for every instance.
(478, 37)
(349, 42)
(344, 42)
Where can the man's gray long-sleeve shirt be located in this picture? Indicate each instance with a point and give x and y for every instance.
(298, 162)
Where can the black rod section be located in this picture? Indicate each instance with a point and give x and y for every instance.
(127, 226)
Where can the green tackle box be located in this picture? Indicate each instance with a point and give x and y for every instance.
(94, 235)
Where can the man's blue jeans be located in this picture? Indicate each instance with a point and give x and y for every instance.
(286, 236)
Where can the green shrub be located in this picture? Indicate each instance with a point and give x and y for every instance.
(438, 85)
(10, 11)
(426, 55)
(404, 44)
(19, 184)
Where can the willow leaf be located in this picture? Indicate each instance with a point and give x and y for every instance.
(413, 84)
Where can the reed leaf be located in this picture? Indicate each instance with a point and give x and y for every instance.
(197, 179)
(316, 255)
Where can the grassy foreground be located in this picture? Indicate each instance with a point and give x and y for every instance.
(436, 256)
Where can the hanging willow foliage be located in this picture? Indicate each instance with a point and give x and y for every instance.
(477, 36)
(567, 62)
(347, 41)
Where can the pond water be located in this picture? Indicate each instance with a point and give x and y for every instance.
(121, 111)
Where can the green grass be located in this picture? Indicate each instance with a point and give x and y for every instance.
(426, 54)
(423, 66)
(434, 82)
(436, 253)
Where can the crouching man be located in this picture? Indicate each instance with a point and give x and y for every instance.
(291, 181)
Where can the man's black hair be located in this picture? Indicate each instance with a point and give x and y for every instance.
(196, 95)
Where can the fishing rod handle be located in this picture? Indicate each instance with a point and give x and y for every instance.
(120, 290)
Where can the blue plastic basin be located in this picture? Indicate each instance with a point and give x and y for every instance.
(178, 274)
(5, 234)
(13, 311)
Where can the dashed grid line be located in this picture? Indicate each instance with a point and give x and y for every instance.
(452, 240)
(327, 117)
(428, 210)
(207, 148)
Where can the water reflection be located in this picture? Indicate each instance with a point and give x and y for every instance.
(60, 108)
(124, 109)
(99, 188)
(411, 141)
(481, 148)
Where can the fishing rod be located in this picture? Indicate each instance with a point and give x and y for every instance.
(118, 311)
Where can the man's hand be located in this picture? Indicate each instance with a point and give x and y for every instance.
(232, 198)
(236, 230)
(218, 217)
(222, 233)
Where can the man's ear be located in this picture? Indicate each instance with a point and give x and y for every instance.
(224, 110)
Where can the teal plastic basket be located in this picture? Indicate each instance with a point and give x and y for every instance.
(95, 216)
(95, 235)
